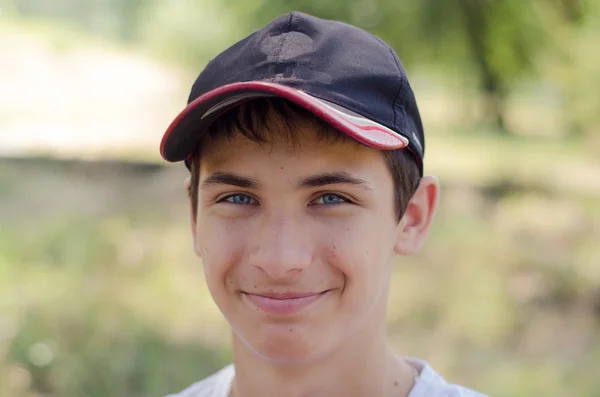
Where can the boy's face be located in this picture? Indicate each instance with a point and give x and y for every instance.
(298, 242)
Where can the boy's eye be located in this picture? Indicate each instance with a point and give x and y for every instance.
(240, 199)
(330, 199)
(325, 199)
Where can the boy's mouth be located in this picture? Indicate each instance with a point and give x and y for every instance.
(284, 303)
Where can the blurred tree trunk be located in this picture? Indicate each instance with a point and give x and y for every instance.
(477, 25)
(572, 10)
(128, 16)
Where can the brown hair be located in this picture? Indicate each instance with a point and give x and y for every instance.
(254, 119)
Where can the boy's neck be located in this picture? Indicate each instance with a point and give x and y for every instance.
(364, 365)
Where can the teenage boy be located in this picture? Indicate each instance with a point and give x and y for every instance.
(305, 147)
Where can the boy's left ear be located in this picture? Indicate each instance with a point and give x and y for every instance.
(414, 225)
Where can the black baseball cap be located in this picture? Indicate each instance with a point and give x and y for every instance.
(342, 74)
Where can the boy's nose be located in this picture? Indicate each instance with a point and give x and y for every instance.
(281, 247)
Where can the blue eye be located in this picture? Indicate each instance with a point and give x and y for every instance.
(240, 199)
(330, 199)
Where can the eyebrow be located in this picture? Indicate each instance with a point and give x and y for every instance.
(319, 180)
(226, 178)
(332, 178)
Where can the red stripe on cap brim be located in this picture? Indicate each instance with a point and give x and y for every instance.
(361, 129)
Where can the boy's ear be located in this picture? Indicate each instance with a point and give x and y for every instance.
(414, 225)
(193, 223)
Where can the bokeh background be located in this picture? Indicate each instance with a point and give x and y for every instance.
(100, 294)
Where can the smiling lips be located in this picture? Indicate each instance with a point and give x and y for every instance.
(282, 304)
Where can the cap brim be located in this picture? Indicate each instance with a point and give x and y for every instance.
(182, 136)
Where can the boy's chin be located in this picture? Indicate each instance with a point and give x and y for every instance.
(287, 356)
(287, 349)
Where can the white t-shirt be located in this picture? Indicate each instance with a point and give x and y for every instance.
(429, 384)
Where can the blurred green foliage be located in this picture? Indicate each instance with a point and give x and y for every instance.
(493, 45)
(88, 292)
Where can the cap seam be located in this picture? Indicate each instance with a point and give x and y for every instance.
(283, 37)
(400, 89)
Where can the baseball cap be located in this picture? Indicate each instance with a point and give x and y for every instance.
(342, 74)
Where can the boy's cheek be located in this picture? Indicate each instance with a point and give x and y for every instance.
(217, 257)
